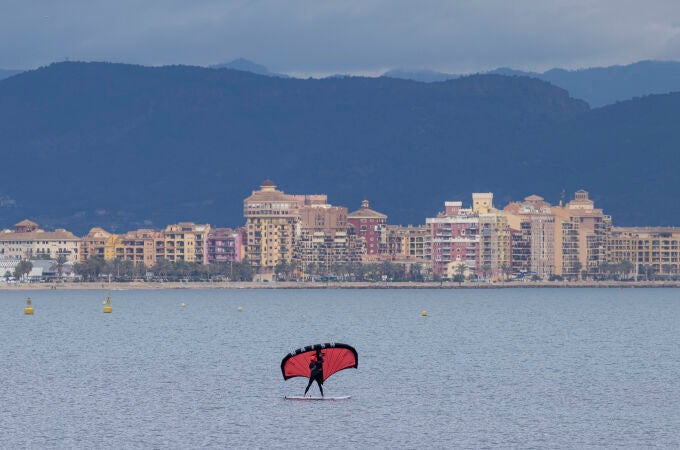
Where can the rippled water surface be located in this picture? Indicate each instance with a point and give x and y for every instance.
(565, 368)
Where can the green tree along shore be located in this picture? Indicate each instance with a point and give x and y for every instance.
(96, 269)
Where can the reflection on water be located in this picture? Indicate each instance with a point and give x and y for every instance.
(523, 368)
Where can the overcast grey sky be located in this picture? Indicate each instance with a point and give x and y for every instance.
(316, 37)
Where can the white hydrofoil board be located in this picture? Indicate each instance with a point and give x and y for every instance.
(300, 397)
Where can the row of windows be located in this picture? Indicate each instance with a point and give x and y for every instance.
(37, 242)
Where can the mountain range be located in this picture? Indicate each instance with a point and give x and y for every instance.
(124, 146)
(598, 86)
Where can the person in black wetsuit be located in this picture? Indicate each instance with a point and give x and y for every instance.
(316, 371)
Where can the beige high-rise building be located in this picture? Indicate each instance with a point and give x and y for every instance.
(581, 234)
(494, 244)
(495, 251)
(29, 241)
(272, 221)
(532, 226)
(324, 241)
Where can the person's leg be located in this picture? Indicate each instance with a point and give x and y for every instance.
(320, 383)
(308, 384)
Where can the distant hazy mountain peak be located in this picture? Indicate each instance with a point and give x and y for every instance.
(245, 65)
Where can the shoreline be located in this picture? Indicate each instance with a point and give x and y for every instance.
(335, 285)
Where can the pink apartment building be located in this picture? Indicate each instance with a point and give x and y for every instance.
(455, 239)
(370, 225)
(225, 245)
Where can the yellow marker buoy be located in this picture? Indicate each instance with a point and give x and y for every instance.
(28, 310)
(239, 309)
(424, 313)
(182, 305)
(107, 305)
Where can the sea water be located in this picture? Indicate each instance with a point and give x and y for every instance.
(528, 368)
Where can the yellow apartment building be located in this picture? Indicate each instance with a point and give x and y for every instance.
(650, 250)
(139, 246)
(184, 241)
(97, 243)
(409, 243)
(272, 220)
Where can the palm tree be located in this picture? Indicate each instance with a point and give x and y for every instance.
(460, 269)
(506, 268)
(61, 260)
(626, 267)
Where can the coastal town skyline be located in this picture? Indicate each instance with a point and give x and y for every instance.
(301, 234)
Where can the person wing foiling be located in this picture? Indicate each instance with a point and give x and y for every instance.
(318, 362)
(316, 372)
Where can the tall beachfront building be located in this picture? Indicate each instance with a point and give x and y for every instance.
(325, 240)
(272, 220)
(27, 241)
(471, 241)
(532, 227)
(454, 239)
(300, 230)
(370, 225)
(581, 233)
(494, 255)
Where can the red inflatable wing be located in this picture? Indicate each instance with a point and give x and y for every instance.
(336, 357)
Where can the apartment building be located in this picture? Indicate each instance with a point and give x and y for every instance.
(532, 226)
(495, 245)
(138, 246)
(370, 225)
(27, 241)
(454, 239)
(184, 241)
(651, 251)
(272, 221)
(97, 243)
(581, 232)
(409, 243)
(225, 245)
(325, 239)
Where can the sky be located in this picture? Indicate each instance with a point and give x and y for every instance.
(319, 37)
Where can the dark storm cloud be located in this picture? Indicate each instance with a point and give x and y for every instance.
(342, 36)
